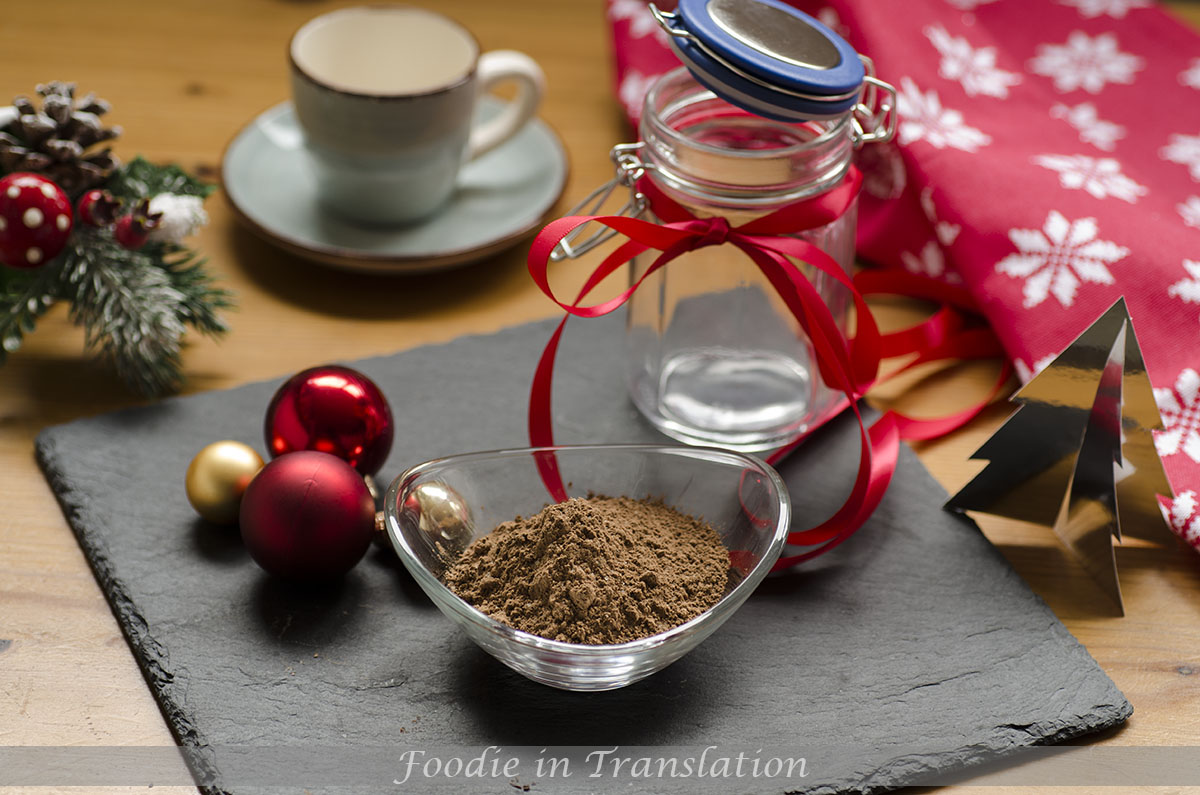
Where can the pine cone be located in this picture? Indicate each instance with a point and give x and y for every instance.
(54, 140)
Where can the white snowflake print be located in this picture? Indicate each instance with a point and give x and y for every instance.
(1189, 211)
(1185, 150)
(946, 232)
(930, 262)
(633, 91)
(1183, 518)
(1090, 9)
(1092, 130)
(1100, 177)
(1056, 258)
(1180, 410)
(829, 18)
(1085, 62)
(1187, 290)
(974, 68)
(1026, 372)
(1190, 77)
(968, 5)
(922, 118)
(637, 14)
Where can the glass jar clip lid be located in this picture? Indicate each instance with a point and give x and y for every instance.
(778, 62)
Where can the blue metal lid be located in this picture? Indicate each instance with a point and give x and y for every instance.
(766, 57)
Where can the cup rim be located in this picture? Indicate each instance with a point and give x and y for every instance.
(458, 82)
(742, 590)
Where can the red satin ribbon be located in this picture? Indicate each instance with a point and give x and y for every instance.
(849, 366)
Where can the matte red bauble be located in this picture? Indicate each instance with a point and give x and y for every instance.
(307, 516)
(334, 410)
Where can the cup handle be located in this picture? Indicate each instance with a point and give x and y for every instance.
(496, 67)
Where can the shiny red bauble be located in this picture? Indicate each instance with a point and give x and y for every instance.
(35, 220)
(307, 516)
(334, 410)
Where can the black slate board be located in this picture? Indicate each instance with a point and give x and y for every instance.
(913, 649)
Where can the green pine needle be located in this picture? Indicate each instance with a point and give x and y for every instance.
(25, 295)
(129, 311)
(201, 297)
(141, 179)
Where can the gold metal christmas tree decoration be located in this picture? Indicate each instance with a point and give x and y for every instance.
(1078, 454)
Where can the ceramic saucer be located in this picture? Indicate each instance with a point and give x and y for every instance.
(502, 197)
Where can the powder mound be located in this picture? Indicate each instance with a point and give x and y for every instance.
(595, 570)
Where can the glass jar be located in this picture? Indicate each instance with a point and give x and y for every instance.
(713, 354)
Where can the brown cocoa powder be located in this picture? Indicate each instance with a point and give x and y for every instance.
(594, 570)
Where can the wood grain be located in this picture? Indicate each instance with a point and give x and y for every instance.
(183, 78)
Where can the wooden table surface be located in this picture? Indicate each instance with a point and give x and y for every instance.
(183, 78)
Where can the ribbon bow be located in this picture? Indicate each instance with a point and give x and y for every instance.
(848, 365)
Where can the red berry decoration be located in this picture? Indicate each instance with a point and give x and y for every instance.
(133, 230)
(97, 208)
(35, 220)
(334, 410)
(307, 517)
(129, 233)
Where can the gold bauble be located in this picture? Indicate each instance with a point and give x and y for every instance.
(218, 476)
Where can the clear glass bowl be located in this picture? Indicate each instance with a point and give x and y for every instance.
(741, 497)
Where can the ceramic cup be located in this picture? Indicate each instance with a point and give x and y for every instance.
(386, 98)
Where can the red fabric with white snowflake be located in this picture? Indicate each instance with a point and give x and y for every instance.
(1048, 156)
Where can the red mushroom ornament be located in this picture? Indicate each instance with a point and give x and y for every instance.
(35, 220)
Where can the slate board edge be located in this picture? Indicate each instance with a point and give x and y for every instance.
(151, 657)
(965, 762)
